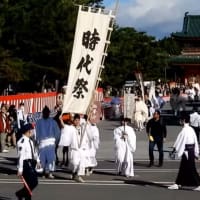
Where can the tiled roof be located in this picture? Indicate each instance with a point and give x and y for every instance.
(184, 60)
(191, 27)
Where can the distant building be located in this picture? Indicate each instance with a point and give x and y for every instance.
(187, 65)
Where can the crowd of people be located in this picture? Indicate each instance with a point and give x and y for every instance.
(37, 144)
(75, 134)
(147, 114)
(11, 120)
(186, 146)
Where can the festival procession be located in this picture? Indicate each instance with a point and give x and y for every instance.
(96, 104)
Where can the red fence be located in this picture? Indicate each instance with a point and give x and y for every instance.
(33, 102)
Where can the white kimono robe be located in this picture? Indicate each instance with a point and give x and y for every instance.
(66, 135)
(124, 150)
(141, 113)
(186, 136)
(93, 135)
(79, 154)
(187, 148)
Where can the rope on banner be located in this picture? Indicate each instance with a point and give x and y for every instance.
(107, 43)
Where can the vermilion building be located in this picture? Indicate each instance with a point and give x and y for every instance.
(187, 65)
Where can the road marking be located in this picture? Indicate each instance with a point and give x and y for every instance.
(68, 182)
(88, 182)
(139, 170)
(138, 160)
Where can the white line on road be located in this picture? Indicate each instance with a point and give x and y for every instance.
(139, 170)
(66, 180)
(138, 160)
(88, 182)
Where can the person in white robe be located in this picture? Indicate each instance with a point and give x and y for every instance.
(191, 93)
(83, 120)
(79, 146)
(187, 148)
(125, 146)
(21, 116)
(66, 136)
(195, 121)
(94, 141)
(92, 132)
(141, 113)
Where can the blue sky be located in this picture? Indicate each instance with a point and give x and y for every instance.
(158, 18)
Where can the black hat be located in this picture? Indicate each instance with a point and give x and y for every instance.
(185, 117)
(26, 127)
(125, 119)
(45, 112)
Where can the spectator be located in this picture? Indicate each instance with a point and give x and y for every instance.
(195, 122)
(4, 127)
(157, 132)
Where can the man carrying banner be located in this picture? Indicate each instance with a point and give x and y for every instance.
(79, 150)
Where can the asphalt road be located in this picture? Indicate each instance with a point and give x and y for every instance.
(148, 183)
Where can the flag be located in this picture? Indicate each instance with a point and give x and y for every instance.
(88, 52)
(139, 78)
(129, 105)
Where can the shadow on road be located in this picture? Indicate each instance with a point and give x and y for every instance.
(4, 198)
(6, 170)
(9, 160)
(144, 183)
(105, 173)
(61, 177)
(8, 166)
(141, 164)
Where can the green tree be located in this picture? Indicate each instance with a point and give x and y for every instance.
(11, 67)
(36, 39)
(129, 51)
(41, 33)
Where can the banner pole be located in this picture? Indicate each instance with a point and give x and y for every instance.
(116, 7)
(89, 110)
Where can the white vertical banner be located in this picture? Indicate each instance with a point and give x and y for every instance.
(152, 91)
(88, 50)
(139, 78)
(129, 105)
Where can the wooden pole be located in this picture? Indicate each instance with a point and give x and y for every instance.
(89, 110)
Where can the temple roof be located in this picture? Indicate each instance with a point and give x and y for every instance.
(174, 60)
(191, 27)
